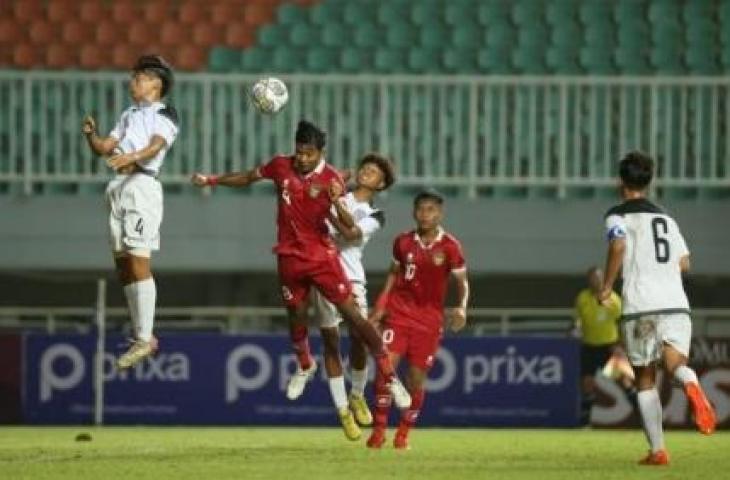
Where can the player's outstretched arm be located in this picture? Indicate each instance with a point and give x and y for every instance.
(99, 145)
(242, 179)
(614, 260)
(379, 311)
(458, 313)
(157, 143)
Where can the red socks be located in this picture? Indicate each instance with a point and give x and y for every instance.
(300, 342)
(383, 400)
(409, 417)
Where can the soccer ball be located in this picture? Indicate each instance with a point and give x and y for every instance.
(269, 95)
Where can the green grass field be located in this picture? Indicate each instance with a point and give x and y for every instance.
(323, 454)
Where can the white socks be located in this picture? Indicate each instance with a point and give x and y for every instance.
(651, 413)
(141, 298)
(685, 375)
(359, 379)
(337, 389)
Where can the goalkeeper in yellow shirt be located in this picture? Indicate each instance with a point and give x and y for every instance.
(597, 326)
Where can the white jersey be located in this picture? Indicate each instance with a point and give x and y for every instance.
(139, 123)
(369, 220)
(651, 271)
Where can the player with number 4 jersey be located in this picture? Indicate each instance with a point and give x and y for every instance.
(410, 308)
(646, 243)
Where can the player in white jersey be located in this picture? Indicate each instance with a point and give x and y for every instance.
(361, 221)
(135, 149)
(646, 243)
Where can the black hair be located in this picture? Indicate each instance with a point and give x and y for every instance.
(636, 170)
(157, 66)
(429, 194)
(310, 134)
(385, 166)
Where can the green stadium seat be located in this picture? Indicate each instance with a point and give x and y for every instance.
(725, 60)
(528, 60)
(527, 12)
(460, 60)
(460, 12)
(595, 11)
(560, 11)
(631, 61)
(256, 59)
(358, 13)
(568, 35)
(391, 12)
(287, 59)
(426, 11)
(291, 14)
(491, 12)
(467, 35)
(666, 60)
(367, 35)
(627, 11)
(500, 35)
(322, 60)
(336, 35)
(597, 61)
(496, 61)
(303, 35)
(723, 12)
(633, 35)
(697, 10)
(327, 13)
(433, 35)
(401, 36)
(390, 60)
(223, 59)
(425, 60)
(533, 37)
(701, 32)
(600, 34)
(702, 61)
(663, 11)
(354, 59)
(272, 35)
(562, 61)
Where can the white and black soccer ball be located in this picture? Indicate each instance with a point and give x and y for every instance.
(269, 95)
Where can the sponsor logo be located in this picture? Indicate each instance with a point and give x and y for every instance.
(512, 369)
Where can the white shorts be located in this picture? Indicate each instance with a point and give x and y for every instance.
(135, 212)
(327, 314)
(645, 336)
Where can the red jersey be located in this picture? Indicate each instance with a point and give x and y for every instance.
(417, 298)
(303, 206)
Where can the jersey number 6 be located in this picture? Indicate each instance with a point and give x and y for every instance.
(661, 244)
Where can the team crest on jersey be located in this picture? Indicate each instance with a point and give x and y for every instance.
(409, 257)
(314, 190)
(439, 258)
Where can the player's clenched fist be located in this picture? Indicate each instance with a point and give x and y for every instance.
(199, 179)
(458, 318)
(88, 126)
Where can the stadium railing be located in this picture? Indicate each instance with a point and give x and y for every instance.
(713, 322)
(471, 132)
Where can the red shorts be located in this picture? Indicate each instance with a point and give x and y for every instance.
(416, 345)
(298, 275)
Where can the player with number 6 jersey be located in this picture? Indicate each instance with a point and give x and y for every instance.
(410, 308)
(646, 243)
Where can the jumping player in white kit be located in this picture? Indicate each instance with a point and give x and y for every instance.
(375, 173)
(646, 243)
(135, 149)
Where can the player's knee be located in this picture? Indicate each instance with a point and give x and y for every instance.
(330, 341)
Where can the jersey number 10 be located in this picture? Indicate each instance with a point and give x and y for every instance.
(661, 244)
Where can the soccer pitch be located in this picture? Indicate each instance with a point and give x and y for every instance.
(323, 454)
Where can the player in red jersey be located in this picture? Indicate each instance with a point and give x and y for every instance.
(410, 308)
(306, 255)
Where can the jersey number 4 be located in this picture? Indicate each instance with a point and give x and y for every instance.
(659, 230)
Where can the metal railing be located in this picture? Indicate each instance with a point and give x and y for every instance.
(234, 320)
(470, 132)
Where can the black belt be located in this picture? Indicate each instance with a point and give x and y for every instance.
(144, 171)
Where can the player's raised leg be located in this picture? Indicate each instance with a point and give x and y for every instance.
(299, 335)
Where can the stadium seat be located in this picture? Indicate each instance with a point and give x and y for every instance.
(527, 12)
(286, 59)
(358, 13)
(600, 35)
(290, 14)
(192, 12)
(597, 61)
(631, 61)
(461, 60)
(322, 60)
(143, 34)
(208, 34)
(189, 57)
(272, 35)
(353, 59)
(426, 11)
(425, 60)
(633, 35)
(224, 59)
(401, 36)
(466, 36)
(497, 61)
(627, 11)
(367, 35)
(501, 35)
(26, 55)
(391, 12)
(702, 61)
(664, 11)
(336, 35)
(698, 10)
(42, 32)
(172, 34)
(156, 11)
(60, 11)
(562, 61)
(256, 59)
(595, 11)
(27, 11)
(303, 35)
(93, 11)
(327, 13)
(11, 33)
(390, 60)
(258, 13)
(567, 35)
(433, 35)
(60, 55)
(528, 60)
(667, 60)
(492, 12)
(239, 35)
(558, 12)
(93, 57)
(77, 33)
(536, 37)
(460, 12)
(125, 11)
(123, 56)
